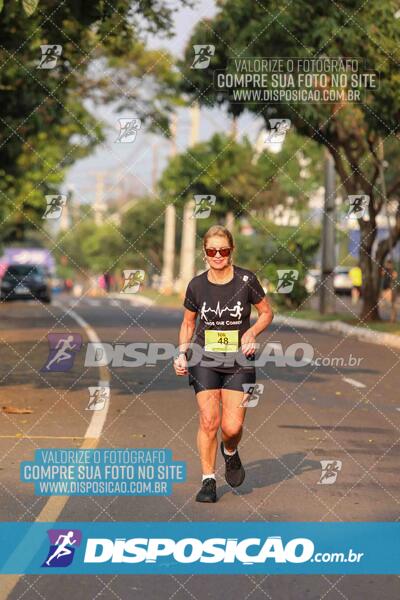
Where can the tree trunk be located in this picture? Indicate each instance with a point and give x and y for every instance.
(371, 273)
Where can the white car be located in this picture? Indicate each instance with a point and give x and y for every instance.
(341, 281)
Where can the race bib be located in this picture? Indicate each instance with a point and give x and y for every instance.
(221, 341)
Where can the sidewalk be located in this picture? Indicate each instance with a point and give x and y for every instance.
(344, 321)
(344, 306)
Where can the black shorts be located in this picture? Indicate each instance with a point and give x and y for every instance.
(208, 378)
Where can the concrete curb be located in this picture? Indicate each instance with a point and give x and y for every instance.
(365, 335)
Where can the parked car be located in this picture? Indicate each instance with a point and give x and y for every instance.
(341, 281)
(24, 282)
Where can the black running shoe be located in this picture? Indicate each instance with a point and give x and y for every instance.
(234, 471)
(208, 491)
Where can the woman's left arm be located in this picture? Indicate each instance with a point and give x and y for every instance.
(265, 316)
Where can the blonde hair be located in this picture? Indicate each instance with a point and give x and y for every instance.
(218, 230)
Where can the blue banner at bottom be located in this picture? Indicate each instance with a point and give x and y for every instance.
(201, 547)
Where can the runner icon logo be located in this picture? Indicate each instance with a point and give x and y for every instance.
(357, 206)
(62, 547)
(132, 281)
(330, 470)
(63, 347)
(128, 128)
(203, 205)
(278, 129)
(55, 205)
(252, 393)
(50, 54)
(98, 396)
(202, 55)
(286, 280)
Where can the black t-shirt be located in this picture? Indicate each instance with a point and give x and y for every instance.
(222, 308)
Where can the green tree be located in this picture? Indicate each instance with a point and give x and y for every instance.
(136, 243)
(240, 180)
(46, 121)
(355, 134)
(143, 231)
(274, 247)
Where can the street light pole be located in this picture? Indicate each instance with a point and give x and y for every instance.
(167, 275)
(328, 258)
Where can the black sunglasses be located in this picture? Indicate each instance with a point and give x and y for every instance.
(224, 252)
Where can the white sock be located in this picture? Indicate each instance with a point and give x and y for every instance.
(210, 476)
(229, 452)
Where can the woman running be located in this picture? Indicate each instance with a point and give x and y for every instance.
(221, 354)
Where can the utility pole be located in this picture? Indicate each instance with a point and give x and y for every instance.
(234, 128)
(154, 170)
(174, 130)
(188, 245)
(328, 259)
(99, 206)
(65, 219)
(194, 124)
(167, 275)
(230, 215)
(230, 220)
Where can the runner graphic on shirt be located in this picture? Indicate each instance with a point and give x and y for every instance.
(235, 311)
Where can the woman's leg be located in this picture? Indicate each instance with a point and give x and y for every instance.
(233, 414)
(209, 422)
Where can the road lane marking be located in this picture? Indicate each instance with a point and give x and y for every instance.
(354, 382)
(93, 302)
(56, 504)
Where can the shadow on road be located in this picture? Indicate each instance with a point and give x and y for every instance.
(267, 472)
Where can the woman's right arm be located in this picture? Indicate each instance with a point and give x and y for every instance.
(185, 336)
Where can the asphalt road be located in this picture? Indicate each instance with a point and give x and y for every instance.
(305, 415)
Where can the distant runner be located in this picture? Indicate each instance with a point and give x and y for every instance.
(221, 299)
(355, 275)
